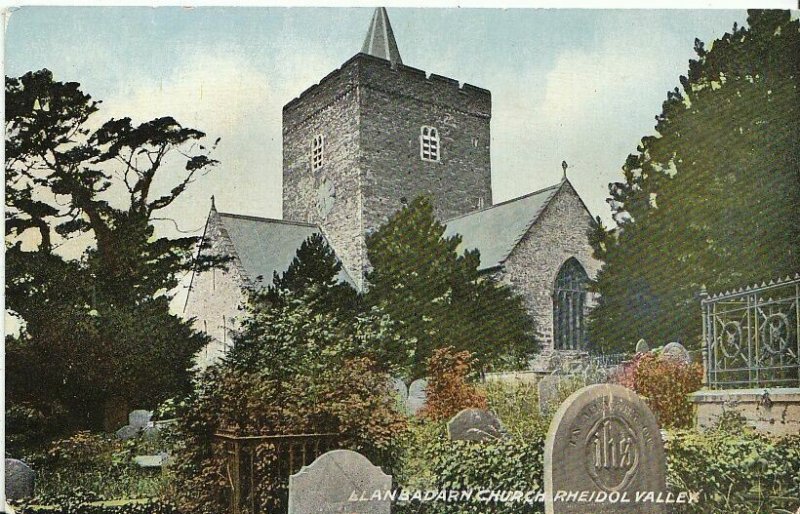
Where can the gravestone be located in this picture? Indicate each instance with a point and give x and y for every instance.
(676, 352)
(475, 425)
(641, 346)
(127, 432)
(549, 390)
(416, 395)
(604, 442)
(19, 480)
(340, 481)
(139, 418)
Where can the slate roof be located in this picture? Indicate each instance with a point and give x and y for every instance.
(496, 230)
(266, 245)
(380, 40)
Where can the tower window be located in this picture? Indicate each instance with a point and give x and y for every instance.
(317, 152)
(429, 144)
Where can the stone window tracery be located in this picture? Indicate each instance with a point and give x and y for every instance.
(569, 307)
(317, 152)
(429, 144)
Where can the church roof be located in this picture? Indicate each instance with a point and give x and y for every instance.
(496, 230)
(380, 40)
(265, 246)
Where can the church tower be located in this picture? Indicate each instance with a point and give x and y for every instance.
(373, 135)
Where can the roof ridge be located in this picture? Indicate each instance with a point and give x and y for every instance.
(267, 220)
(505, 202)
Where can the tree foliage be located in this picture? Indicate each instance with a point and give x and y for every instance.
(96, 326)
(438, 296)
(711, 200)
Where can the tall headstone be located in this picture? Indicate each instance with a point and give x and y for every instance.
(340, 481)
(676, 352)
(416, 395)
(475, 425)
(603, 454)
(19, 480)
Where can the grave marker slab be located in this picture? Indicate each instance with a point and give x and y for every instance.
(139, 418)
(604, 440)
(340, 481)
(677, 352)
(475, 425)
(19, 480)
(416, 395)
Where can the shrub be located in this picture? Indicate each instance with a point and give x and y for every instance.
(511, 464)
(736, 472)
(352, 399)
(82, 503)
(448, 391)
(665, 384)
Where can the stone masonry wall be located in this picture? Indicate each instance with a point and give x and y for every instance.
(395, 104)
(370, 115)
(329, 196)
(558, 234)
(216, 298)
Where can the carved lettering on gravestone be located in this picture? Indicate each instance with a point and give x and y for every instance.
(340, 481)
(475, 425)
(604, 440)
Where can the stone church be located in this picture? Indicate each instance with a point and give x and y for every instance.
(368, 138)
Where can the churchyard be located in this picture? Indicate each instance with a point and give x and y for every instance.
(667, 382)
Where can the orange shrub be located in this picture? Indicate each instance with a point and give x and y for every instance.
(665, 384)
(448, 390)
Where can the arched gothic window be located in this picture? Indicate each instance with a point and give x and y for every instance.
(569, 307)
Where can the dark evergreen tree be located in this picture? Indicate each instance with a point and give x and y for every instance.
(712, 200)
(96, 329)
(438, 296)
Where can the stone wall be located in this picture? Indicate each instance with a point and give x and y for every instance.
(330, 109)
(395, 105)
(559, 233)
(370, 115)
(216, 297)
(776, 413)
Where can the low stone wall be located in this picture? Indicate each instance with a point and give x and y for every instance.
(774, 411)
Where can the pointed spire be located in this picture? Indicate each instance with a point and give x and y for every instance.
(213, 204)
(380, 38)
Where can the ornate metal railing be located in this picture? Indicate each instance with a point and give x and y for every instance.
(751, 336)
(258, 467)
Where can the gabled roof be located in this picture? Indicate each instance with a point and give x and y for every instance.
(496, 230)
(265, 246)
(380, 40)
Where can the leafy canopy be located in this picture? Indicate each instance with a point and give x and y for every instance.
(438, 296)
(711, 200)
(96, 326)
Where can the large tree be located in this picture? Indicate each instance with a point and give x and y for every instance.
(438, 296)
(712, 199)
(96, 326)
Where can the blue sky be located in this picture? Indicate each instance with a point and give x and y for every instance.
(575, 85)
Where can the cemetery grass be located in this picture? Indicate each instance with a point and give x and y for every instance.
(98, 467)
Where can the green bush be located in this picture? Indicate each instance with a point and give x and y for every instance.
(82, 503)
(437, 463)
(98, 464)
(736, 472)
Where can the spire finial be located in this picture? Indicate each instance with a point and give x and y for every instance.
(564, 167)
(380, 38)
(213, 205)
